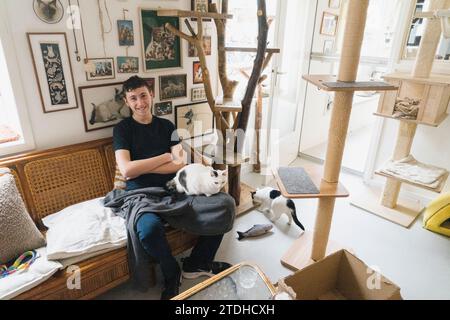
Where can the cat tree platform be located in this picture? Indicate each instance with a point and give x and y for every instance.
(330, 83)
(326, 189)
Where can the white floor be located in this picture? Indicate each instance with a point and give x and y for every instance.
(417, 260)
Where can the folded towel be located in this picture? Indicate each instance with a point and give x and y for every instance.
(413, 170)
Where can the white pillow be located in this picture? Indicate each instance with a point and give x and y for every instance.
(39, 271)
(82, 228)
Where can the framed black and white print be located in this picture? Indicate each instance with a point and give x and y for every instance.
(52, 67)
(172, 86)
(194, 119)
(103, 105)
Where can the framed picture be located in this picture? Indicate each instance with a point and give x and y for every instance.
(200, 6)
(193, 120)
(151, 84)
(334, 4)
(160, 48)
(102, 68)
(192, 50)
(329, 24)
(127, 64)
(162, 108)
(198, 94)
(197, 76)
(172, 86)
(125, 31)
(53, 70)
(328, 47)
(103, 105)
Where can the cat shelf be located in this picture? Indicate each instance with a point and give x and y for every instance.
(431, 96)
(330, 83)
(192, 14)
(415, 173)
(324, 189)
(227, 105)
(248, 49)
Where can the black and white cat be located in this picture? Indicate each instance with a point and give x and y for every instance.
(272, 202)
(197, 179)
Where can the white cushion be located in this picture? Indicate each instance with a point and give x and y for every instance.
(39, 271)
(83, 228)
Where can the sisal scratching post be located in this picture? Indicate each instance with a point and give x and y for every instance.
(351, 50)
(422, 69)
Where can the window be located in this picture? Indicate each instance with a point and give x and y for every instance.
(15, 129)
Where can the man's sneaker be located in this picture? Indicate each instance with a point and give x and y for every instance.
(171, 288)
(191, 271)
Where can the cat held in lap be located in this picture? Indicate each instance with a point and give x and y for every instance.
(272, 202)
(197, 179)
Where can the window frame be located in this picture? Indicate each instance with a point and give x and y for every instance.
(14, 94)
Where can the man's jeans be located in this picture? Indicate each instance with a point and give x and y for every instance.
(150, 229)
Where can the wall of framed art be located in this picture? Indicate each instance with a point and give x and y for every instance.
(69, 125)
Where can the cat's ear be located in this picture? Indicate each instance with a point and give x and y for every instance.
(224, 172)
(253, 194)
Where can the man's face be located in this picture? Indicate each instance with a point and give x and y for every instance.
(139, 100)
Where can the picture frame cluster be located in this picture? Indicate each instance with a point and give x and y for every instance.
(102, 104)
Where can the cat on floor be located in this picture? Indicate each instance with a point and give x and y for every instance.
(197, 179)
(272, 202)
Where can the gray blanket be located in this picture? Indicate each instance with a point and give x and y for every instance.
(199, 215)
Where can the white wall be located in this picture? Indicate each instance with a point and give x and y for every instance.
(66, 127)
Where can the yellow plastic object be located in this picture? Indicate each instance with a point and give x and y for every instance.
(437, 215)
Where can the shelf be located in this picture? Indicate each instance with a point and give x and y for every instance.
(248, 49)
(192, 14)
(326, 189)
(438, 189)
(436, 124)
(432, 80)
(330, 83)
(227, 105)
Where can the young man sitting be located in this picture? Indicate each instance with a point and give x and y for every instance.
(148, 153)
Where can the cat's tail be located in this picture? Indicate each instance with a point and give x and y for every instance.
(240, 235)
(290, 204)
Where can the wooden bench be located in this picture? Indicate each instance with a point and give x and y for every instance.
(51, 180)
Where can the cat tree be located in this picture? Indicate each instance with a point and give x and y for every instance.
(311, 247)
(432, 92)
(231, 116)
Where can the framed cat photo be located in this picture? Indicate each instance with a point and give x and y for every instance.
(127, 64)
(53, 70)
(161, 49)
(193, 52)
(162, 108)
(103, 105)
(200, 6)
(102, 68)
(172, 86)
(194, 120)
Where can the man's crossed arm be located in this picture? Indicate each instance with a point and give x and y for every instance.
(162, 164)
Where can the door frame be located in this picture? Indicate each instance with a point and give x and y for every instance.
(304, 69)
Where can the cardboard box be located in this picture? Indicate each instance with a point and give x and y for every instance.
(339, 276)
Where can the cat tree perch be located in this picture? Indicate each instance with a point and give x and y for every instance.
(433, 95)
(314, 246)
(225, 109)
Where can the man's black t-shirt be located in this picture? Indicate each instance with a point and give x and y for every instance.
(146, 141)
